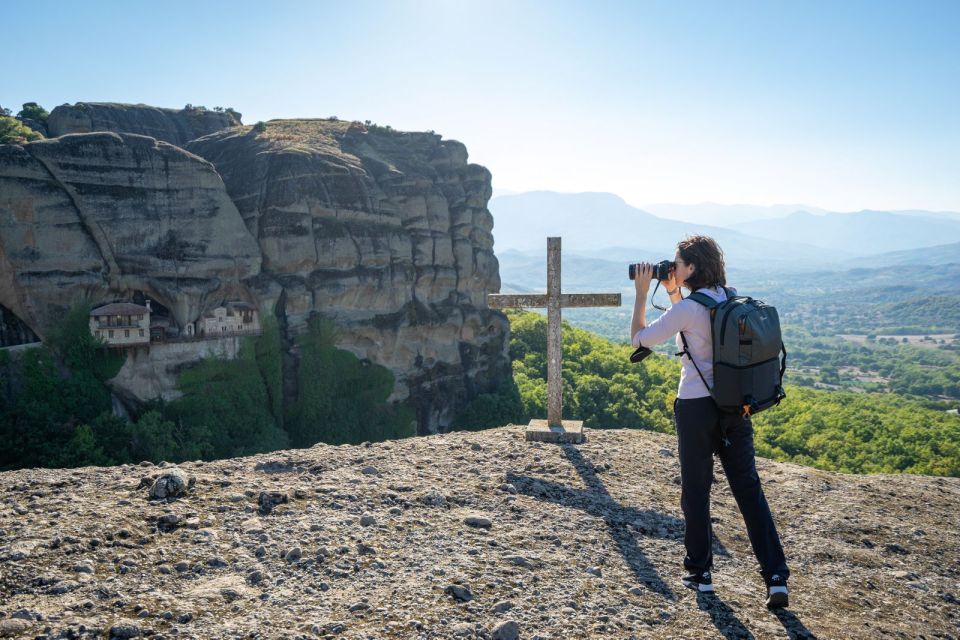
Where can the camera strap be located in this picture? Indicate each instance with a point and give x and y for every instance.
(654, 304)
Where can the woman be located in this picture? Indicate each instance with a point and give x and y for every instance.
(699, 267)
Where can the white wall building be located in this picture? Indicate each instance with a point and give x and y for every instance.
(231, 318)
(121, 324)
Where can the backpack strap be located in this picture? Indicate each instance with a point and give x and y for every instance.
(711, 304)
(704, 299)
(686, 352)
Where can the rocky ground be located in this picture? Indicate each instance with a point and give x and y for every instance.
(465, 535)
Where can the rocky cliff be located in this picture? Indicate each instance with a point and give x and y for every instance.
(176, 126)
(387, 233)
(103, 216)
(465, 535)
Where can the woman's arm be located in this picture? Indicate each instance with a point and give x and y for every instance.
(642, 285)
(639, 322)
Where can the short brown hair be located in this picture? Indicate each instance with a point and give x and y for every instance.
(705, 255)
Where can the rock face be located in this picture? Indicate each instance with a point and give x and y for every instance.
(102, 216)
(153, 374)
(583, 542)
(387, 233)
(169, 125)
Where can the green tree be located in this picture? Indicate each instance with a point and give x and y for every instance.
(342, 399)
(502, 406)
(153, 438)
(33, 111)
(33, 432)
(114, 436)
(12, 131)
(228, 400)
(83, 450)
(268, 354)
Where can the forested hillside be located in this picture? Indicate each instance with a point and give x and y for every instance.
(831, 430)
(55, 408)
(61, 413)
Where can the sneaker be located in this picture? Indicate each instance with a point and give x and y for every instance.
(700, 581)
(776, 591)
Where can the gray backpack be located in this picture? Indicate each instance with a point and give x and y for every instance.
(747, 369)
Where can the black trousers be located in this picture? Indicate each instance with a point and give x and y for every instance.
(701, 428)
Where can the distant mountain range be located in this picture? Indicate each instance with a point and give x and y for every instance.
(926, 256)
(861, 233)
(603, 226)
(726, 214)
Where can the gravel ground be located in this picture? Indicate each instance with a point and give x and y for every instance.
(464, 535)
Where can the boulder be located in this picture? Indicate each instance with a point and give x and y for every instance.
(171, 484)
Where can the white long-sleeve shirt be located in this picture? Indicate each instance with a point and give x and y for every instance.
(694, 320)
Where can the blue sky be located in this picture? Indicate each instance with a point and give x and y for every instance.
(842, 105)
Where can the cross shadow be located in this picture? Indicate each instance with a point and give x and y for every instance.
(795, 628)
(723, 617)
(597, 501)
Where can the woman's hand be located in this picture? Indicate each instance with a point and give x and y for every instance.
(670, 283)
(644, 272)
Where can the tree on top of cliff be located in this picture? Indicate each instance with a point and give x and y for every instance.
(12, 131)
(33, 111)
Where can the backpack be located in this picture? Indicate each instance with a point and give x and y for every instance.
(747, 370)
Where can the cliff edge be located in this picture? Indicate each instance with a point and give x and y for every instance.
(176, 126)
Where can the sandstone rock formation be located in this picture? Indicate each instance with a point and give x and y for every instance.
(101, 216)
(466, 535)
(386, 232)
(176, 126)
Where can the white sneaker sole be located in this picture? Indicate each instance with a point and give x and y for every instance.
(777, 597)
(702, 588)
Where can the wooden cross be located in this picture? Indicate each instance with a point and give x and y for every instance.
(554, 429)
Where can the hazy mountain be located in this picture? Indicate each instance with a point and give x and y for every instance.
(724, 215)
(860, 233)
(523, 272)
(949, 215)
(927, 256)
(602, 225)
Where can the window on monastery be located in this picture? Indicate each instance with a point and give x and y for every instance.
(126, 333)
(141, 333)
(111, 333)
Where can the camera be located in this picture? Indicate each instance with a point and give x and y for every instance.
(661, 270)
